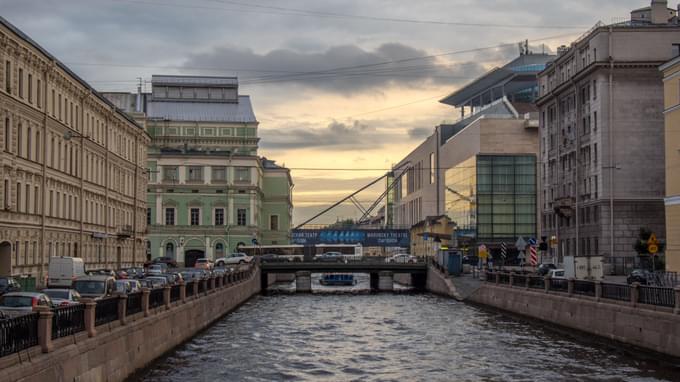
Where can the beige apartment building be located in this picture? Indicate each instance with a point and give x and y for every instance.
(602, 137)
(72, 167)
(671, 73)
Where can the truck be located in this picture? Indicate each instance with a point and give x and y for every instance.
(63, 271)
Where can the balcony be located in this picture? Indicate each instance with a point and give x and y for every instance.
(564, 206)
(124, 232)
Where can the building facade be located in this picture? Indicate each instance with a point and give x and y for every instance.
(209, 191)
(601, 126)
(72, 167)
(671, 73)
(481, 170)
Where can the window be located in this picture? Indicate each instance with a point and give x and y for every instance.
(242, 174)
(219, 216)
(8, 77)
(170, 250)
(274, 222)
(594, 121)
(219, 250)
(21, 83)
(594, 89)
(432, 168)
(219, 174)
(195, 216)
(38, 94)
(169, 216)
(148, 216)
(20, 140)
(18, 204)
(195, 173)
(241, 216)
(7, 135)
(27, 201)
(28, 143)
(36, 200)
(170, 173)
(7, 192)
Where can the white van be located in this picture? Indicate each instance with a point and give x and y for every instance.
(64, 270)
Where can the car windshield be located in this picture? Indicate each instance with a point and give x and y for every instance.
(4, 282)
(202, 260)
(89, 287)
(16, 301)
(60, 294)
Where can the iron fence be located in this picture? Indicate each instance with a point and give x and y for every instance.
(504, 278)
(519, 280)
(106, 311)
(620, 292)
(201, 286)
(536, 282)
(586, 288)
(657, 296)
(174, 293)
(156, 298)
(559, 285)
(134, 303)
(18, 333)
(68, 320)
(190, 288)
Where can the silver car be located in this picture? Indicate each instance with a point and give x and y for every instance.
(20, 303)
(63, 297)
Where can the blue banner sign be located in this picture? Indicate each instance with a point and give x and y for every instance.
(367, 238)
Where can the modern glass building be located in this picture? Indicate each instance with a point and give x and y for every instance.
(492, 198)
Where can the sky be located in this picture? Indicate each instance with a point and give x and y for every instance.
(346, 87)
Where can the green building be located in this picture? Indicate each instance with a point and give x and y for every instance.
(209, 191)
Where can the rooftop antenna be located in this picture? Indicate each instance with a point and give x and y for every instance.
(138, 106)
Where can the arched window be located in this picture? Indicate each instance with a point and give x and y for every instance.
(170, 250)
(219, 250)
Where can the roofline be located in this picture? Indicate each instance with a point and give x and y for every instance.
(190, 76)
(670, 63)
(63, 67)
(453, 94)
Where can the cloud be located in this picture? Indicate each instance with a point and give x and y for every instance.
(318, 69)
(419, 132)
(337, 136)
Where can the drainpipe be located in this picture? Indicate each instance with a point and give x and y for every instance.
(611, 146)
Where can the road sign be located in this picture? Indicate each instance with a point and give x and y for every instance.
(532, 241)
(533, 259)
(504, 250)
(553, 242)
(521, 244)
(652, 240)
(483, 252)
(653, 249)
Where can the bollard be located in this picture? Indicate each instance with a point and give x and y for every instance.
(122, 308)
(677, 300)
(635, 294)
(145, 301)
(570, 287)
(166, 296)
(90, 307)
(45, 328)
(182, 291)
(511, 279)
(546, 283)
(598, 290)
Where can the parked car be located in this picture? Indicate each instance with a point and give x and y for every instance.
(63, 297)
(271, 258)
(102, 272)
(135, 273)
(19, 303)
(95, 286)
(135, 285)
(402, 258)
(234, 258)
(641, 276)
(543, 269)
(157, 269)
(63, 270)
(121, 274)
(204, 263)
(9, 284)
(331, 257)
(122, 287)
(156, 281)
(557, 274)
(169, 261)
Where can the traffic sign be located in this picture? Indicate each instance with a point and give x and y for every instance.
(483, 252)
(521, 244)
(652, 240)
(553, 242)
(653, 249)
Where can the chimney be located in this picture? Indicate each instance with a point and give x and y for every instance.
(660, 12)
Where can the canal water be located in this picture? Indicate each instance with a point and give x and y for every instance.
(391, 337)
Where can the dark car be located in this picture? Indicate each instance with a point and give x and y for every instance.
(544, 269)
(169, 261)
(270, 258)
(640, 276)
(9, 284)
(331, 257)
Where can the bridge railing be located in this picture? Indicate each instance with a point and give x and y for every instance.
(43, 326)
(635, 294)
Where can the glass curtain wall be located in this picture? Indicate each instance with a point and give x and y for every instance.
(461, 194)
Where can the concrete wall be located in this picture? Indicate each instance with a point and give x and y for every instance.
(657, 330)
(672, 139)
(117, 351)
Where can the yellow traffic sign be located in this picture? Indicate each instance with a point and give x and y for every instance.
(652, 240)
(653, 249)
(483, 252)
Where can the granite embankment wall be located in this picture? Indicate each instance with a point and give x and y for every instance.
(117, 351)
(649, 327)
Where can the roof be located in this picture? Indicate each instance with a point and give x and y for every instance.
(203, 81)
(669, 64)
(241, 112)
(63, 67)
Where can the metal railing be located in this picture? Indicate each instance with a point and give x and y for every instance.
(134, 303)
(68, 320)
(620, 292)
(156, 298)
(201, 287)
(559, 285)
(190, 288)
(19, 333)
(657, 296)
(174, 293)
(585, 288)
(106, 311)
(536, 282)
